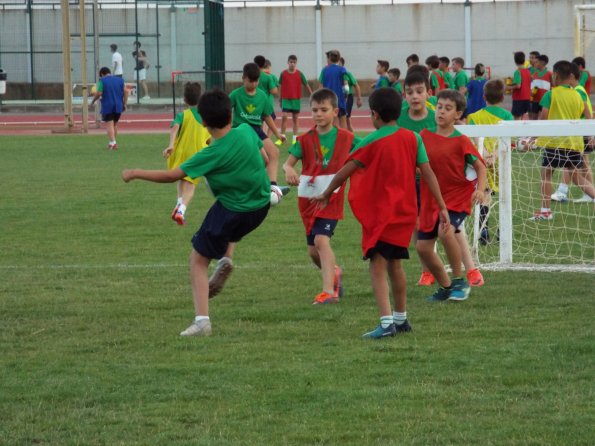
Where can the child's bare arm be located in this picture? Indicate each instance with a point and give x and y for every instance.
(265, 157)
(173, 132)
(432, 182)
(291, 175)
(358, 95)
(479, 195)
(271, 124)
(544, 113)
(156, 176)
(337, 181)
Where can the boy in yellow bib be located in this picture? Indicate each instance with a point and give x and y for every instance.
(187, 136)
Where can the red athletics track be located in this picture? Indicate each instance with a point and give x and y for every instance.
(43, 124)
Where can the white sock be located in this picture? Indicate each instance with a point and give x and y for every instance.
(180, 201)
(399, 318)
(181, 208)
(201, 318)
(563, 188)
(385, 321)
(113, 142)
(546, 210)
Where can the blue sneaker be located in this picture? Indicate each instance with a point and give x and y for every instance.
(405, 327)
(440, 295)
(379, 332)
(459, 290)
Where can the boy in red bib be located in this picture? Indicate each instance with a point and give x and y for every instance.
(322, 150)
(383, 199)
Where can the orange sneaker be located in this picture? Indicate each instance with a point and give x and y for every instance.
(338, 282)
(177, 216)
(426, 279)
(475, 278)
(325, 298)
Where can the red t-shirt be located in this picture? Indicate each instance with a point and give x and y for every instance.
(382, 193)
(447, 159)
(291, 85)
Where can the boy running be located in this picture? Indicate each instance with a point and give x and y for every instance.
(334, 77)
(353, 87)
(114, 96)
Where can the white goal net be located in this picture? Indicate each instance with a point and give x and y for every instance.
(507, 237)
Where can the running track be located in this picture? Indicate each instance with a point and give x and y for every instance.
(43, 124)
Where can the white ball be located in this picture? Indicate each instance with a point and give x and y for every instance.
(276, 195)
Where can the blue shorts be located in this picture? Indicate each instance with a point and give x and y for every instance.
(111, 117)
(535, 107)
(520, 107)
(349, 105)
(222, 226)
(342, 112)
(456, 219)
(559, 158)
(321, 226)
(388, 251)
(258, 129)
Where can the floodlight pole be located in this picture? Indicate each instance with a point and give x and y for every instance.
(318, 21)
(83, 31)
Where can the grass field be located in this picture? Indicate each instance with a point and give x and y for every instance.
(94, 290)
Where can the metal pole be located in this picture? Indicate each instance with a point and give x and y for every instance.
(468, 32)
(137, 50)
(318, 16)
(31, 61)
(68, 122)
(96, 56)
(83, 31)
(173, 37)
(158, 65)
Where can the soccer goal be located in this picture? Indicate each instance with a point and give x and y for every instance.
(227, 80)
(566, 242)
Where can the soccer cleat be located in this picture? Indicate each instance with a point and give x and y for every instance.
(475, 277)
(198, 328)
(279, 143)
(440, 295)
(338, 282)
(113, 146)
(325, 298)
(459, 290)
(294, 139)
(177, 216)
(217, 280)
(559, 196)
(285, 189)
(405, 327)
(584, 199)
(542, 216)
(379, 332)
(426, 279)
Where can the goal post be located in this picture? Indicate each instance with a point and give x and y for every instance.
(565, 243)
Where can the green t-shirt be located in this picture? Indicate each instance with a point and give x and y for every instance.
(179, 119)
(448, 80)
(429, 122)
(266, 83)
(383, 132)
(351, 81)
(397, 86)
(327, 146)
(235, 170)
(584, 78)
(382, 82)
(434, 83)
(516, 77)
(461, 79)
(249, 109)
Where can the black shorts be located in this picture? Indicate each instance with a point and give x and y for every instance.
(456, 219)
(418, 193)
(322, 226)
(388, 251)
(588, 148)
(520, 107)
(258, 129)
(535, 108)
(349, 105)
(222, 226)
(561, 158)
(111, 117)
(286, 110)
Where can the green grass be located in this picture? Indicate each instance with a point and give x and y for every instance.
(94, 290)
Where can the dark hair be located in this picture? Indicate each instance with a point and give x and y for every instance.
(494, 91)
(563, 70)
(519, 58)
(215, 108)
(103, 71)
(267, 63)
(455, 96)
(387, 103)
(418, 69)
(137, 43)
(113, 47)
(534, 53)
(480, 69)
(444, 60)
(459, 61)
(575, 70)
(251, 72)
(292, 57)
(412, 58)
(433, 62)
(395, 72)
(260, 61)
(416, 78)
(543, 58)
(384, 64)
(580, 61)
(333, 56)
(342, 60)
(324, 94)
(192, 93)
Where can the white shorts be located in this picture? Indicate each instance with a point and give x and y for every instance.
(140, 75)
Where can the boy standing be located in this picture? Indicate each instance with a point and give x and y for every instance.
(521, 87)
(437, 83)
(291, 81)
(585, 78)
(353, 86)
(322, 151)
(140, 69)
(461, 78)
(334, 77)
(381, 70)
(561, 102)
(449, 152)
(116, 61)
(541, 83)
(444, 69)
(382, 171)
(393, 77)
(234, 165)
(113, 102)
